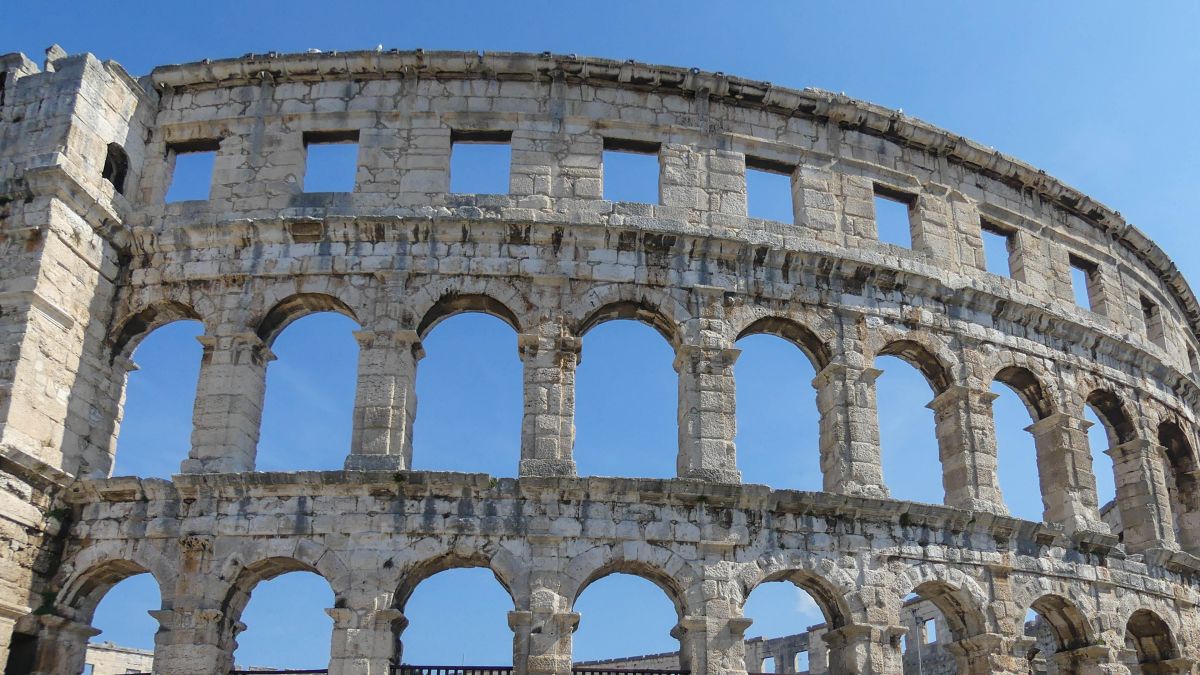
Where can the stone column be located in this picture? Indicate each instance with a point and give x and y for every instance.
(1142, 496)
(865, 649)
(849, 429)
(1065, 470)
(61, 645)
(189, 641)
(385, 402)
(818, 650)
(707, 420)
(548, 422)
(542, 640)
(229, 400)
(364, 640)
(987, 654)
(967, 443)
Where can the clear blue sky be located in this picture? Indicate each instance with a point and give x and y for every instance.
(1089, 91)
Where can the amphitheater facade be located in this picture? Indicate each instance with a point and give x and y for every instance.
(95, 259)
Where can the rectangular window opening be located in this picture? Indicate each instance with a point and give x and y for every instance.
(480, 161)
(3, 82)
(930, 631)
(997, 249)
(1083, 282)
(893, 216)
(769, 190)
(801, 663)
(1152, 318)
(768, 665)
(630, 171)
(193, 174)
(330, 161)
(1193, 362)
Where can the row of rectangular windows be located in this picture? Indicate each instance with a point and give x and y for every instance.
(480, 163)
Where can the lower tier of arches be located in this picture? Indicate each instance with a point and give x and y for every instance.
(376, 537)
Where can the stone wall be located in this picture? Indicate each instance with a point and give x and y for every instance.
(95, 259)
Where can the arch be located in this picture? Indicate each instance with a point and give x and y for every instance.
(500, 566)
(1150, 637)
(1111, 411)
(956, 595)
(1067, 623)
(647, 561)
(295, 307)
(95, 570)
(639, 311)
(834, 590)
(1028, 388)
(126, 339)
(455, 303)
(1179, 451)
(936, 372)
(812, 345)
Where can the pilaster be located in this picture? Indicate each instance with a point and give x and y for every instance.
(1065, 471)
(707, 415)
(548, 422)
(1142, 495)
(385, 400)
(229, 401)
(967, 442)
(849, 430)
(364, 640)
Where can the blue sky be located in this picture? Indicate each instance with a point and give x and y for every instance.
(1088, 91)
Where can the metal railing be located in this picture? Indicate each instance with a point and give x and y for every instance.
(259, 671)
(405, 669)
(600, 670)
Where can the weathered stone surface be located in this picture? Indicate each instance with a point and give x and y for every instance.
(94, 260)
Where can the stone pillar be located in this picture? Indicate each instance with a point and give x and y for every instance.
(849, 430)
(707, 419)
(385, 402)
(542, 640)
(818, 650)
(61, 645)
(189, 641)
(1065, 470)
(229, 400)
(1142, 495)
(548, 422)
(865, 649)
(1090, 660)
(692, 633)
(987, 654)
(364, 640)
(967, 443)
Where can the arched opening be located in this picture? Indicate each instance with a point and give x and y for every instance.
(1181, 478)
(908, 438)
(309, 402)
(265, 593)
(1111, 426)
(789, 621)
(778, 425)
(469, 390)
(626, 395)
(126, 627)
(936, 615)
(155, 433)
(610, 633)
(1019, 401)
(1150, 638)
(442, 609)
(1057, 625)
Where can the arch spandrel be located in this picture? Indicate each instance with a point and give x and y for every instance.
(662, 567)
(295, 307)
(92, 572)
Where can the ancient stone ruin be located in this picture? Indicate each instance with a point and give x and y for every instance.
(94, 260)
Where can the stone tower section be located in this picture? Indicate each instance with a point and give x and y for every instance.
(94, 258)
